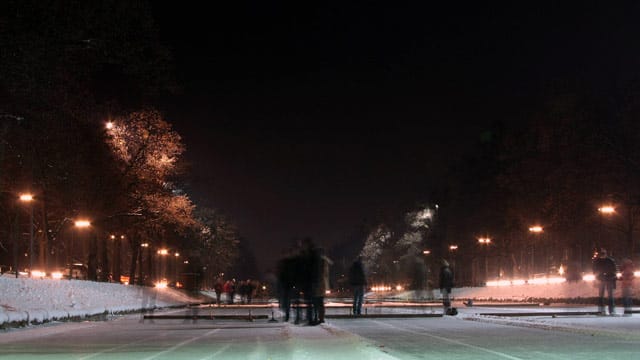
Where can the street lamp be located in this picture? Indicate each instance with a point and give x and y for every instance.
(607, 209)
(28, 198)
(535, 229)
(485, 241)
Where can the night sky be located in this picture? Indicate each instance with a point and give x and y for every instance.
(304, 121)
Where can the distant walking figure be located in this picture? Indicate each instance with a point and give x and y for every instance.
(358, 282)
(446, 283)
(604, 268)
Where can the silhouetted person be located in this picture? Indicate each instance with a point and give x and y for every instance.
(320, 286)
(309, 269)
(604, 268)
(286, 283)
(230, 289)
(446, 283)
(358, 282)
(218, 286)
(250, 290)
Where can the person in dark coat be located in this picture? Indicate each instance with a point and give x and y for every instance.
(446, 283)
(309, 265)
(604, 268)
(286, 283)
(219, 288)
(358, 282)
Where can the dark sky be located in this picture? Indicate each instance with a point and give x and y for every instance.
(304, 121)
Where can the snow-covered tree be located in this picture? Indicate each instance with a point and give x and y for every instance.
(374, 246)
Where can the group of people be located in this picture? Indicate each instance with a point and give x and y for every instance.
(303, 277)
(605, 270)
(246, 289)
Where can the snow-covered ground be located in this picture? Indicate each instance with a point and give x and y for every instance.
(32, 301)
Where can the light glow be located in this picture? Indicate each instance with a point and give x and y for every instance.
(161, 284)
(484, 240)
(26, 197)
(83, 223)
(109, 125)
(536, 229)
(453, 247)
(163, 252)
(518, 282)
(38, 274)
(608, 209)
(56, 275)
(589, 277)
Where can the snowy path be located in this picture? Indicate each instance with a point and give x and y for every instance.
(131, 337)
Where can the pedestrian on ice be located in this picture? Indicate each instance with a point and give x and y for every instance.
(604, 268)
(358, 282)
(446, 283)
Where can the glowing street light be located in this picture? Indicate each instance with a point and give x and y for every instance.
(426, 252)
(484, 240)
(82, 223)
(536, 229)
(109, 125)
(608, 209)
(453, 247)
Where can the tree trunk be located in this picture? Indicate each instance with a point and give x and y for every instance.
(92, 273)
(135, 250)
(116, 260)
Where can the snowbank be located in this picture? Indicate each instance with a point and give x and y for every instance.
(26, 301)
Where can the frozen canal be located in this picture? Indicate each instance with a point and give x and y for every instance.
(466, 336)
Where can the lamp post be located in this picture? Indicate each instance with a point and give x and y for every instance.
(485, 242)
(452, 250)
(163, 265)
(28, 198)
(82, 224)
(176, 256)
(535, 229)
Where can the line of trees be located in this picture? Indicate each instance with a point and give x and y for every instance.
(79, 130)
(553, 165)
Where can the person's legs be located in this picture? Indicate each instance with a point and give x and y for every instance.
(601, 286)
(446, 300)
(358, 297)
(610, 289)
(308, 300)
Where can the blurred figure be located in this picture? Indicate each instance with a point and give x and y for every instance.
(446, 283)
(320, 286)
(242, 291)
(358, 282)
(230, 290)
(604, 268)
(309, 269)
(250, 290)
(627, 286)
(218, 286)
(286, 284)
